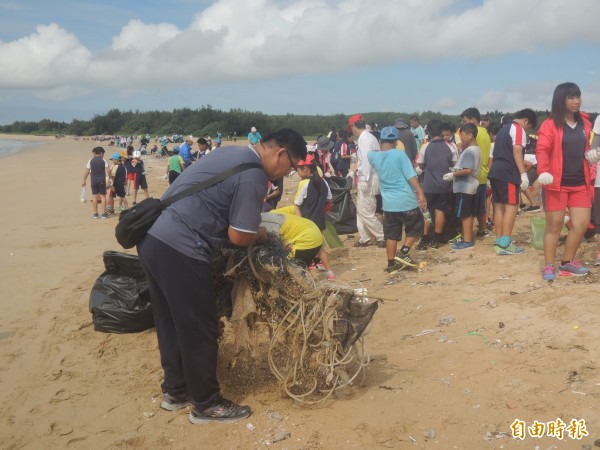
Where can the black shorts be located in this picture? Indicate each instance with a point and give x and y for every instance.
(173, 174)
(465, 205)
(306, 256)
(120, 190)
(412, 221)
(437, 201)
(505, 193)
(140, 182)
(98, 186)
(480, 200)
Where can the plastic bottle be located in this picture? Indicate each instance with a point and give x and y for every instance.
(426, 214)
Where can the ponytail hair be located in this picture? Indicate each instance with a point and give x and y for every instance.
(315, 177)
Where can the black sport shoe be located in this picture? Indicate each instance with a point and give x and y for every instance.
(397, 266)
(381, 244)
(482, 233)
(406, 260)
(174, 402)
(362, 244)
(434, 244)
(423, 244)
(220, 410)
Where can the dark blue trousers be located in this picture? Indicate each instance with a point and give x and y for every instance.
(183, 304)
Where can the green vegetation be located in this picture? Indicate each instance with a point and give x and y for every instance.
(207, 120)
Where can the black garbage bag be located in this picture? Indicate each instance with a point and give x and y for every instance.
(120, 299)
(343, 211)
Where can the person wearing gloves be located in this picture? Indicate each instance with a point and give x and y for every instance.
(465, 183)
(323, 146)
(368, 185)
(507, 176)
(433, 160)
(564, 159)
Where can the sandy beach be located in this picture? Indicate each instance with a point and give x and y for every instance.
(460, 349)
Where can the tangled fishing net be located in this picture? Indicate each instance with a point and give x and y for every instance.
(316, 329)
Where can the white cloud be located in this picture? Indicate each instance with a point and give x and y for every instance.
(240, 40)
(49, 58)
(138, 37)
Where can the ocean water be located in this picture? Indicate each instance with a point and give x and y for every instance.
(10, 146)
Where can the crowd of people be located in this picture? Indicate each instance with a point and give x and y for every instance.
(412, 184)
(446, 178)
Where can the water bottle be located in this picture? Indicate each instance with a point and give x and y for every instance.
(426, 214)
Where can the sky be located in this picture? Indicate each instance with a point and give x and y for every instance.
(65, 59)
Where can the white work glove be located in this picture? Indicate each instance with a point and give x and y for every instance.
(144, 173)
(448, 176)
(524, 181)
(327, 175)
(545, 178)
(350, 174)
(593, 155)
(419, 171)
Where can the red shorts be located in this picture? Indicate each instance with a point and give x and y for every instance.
(130, 175)
(567, 197)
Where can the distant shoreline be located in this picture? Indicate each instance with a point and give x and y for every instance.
(11, 145)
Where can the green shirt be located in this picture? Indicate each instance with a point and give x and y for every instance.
(175, 163)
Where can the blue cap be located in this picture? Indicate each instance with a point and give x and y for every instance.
(389, 134)
(116, 155)
(176, 147)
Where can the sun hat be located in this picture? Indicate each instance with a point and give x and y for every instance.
(253, 129)
(324, 144)
(116, 155)
(310, 159)
(389, 134)
(400, 123)
(124, 153)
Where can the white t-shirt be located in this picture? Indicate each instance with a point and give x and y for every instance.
(366, 143)
(596, 131)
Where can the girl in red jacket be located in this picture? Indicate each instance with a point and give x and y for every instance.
(564, 159)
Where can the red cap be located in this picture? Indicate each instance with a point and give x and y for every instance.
(355, 118)
(310, 160)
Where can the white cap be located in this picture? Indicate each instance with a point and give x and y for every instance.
(253, 129)
(137, 154)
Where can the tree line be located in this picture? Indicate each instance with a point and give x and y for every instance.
(206, 120)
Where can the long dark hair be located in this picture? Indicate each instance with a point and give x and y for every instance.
(343, 136)
(559, 98)
(315, 178)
